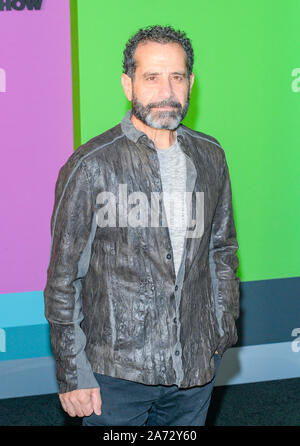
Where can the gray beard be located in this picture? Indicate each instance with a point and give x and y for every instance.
(164, 119)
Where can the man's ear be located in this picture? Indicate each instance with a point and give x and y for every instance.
(192, 78)
(127, 86)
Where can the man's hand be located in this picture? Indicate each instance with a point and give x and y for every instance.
(82, 402)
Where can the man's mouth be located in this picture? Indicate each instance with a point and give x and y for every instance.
(165, 108)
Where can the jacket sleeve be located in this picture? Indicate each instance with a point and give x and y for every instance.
(224, 263)
(71, 238)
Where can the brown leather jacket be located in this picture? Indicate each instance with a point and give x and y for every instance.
(112, 299)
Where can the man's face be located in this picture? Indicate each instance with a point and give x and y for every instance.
(161, 87)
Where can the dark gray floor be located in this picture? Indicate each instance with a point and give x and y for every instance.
(271, 403)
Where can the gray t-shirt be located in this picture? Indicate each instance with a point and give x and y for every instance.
(173, 175)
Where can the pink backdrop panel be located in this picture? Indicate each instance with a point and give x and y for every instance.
(36, 136)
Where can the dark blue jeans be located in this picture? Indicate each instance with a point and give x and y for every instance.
(128, 403)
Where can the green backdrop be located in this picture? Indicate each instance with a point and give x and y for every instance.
(246, 94)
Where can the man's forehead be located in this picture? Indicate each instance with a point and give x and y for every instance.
(155, 52)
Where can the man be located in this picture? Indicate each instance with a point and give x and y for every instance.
(142, 293)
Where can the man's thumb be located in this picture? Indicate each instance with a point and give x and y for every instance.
(96, 401)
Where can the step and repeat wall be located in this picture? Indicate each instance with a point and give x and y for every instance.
(60, 71)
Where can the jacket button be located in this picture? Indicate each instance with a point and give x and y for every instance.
(169, 256)
(175, 320)
(177, 352)
(176, 287)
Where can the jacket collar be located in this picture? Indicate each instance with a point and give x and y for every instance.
(133, 133)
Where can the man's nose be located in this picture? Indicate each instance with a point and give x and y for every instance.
(165, 88)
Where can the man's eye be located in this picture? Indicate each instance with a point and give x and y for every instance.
(177, 78)
(151, 78)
